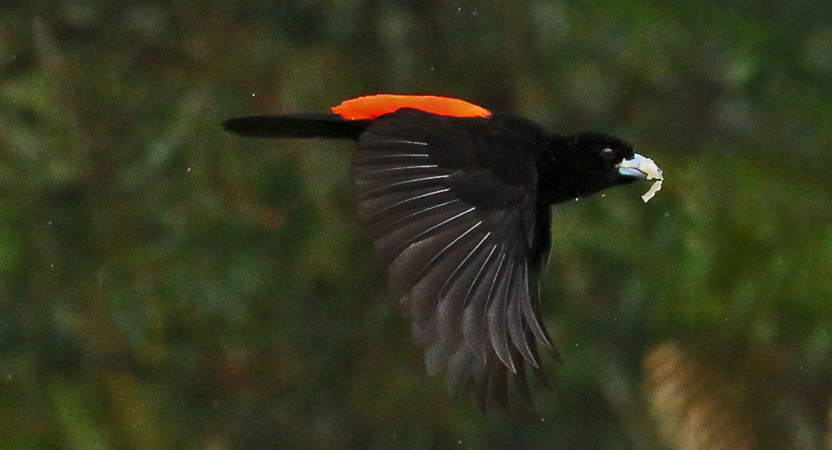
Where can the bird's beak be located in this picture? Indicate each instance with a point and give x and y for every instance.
(642, 168)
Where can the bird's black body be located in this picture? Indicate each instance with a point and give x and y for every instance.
(459, 209)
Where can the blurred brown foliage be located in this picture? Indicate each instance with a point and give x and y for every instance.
(696, 408)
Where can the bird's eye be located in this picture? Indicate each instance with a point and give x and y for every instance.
(607, 153)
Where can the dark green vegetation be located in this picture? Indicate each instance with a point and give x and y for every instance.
(165, 285)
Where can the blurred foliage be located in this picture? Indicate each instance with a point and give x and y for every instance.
(164, 285)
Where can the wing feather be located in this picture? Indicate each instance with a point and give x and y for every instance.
(497, 314)
(459, 242)
(514, 316)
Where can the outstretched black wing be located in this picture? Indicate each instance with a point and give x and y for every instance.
(453, 210)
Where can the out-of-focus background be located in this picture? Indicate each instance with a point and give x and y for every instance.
(164, 285)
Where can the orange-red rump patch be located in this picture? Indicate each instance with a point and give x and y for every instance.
(373, 106)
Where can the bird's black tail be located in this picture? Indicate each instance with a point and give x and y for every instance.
(328, 126)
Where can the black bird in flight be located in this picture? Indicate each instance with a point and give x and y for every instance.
(457, 200)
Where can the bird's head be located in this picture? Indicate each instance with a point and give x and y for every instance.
(586, 163)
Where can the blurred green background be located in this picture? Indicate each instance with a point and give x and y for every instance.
(165, 285)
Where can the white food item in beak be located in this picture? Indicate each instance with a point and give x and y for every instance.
(646, 169)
